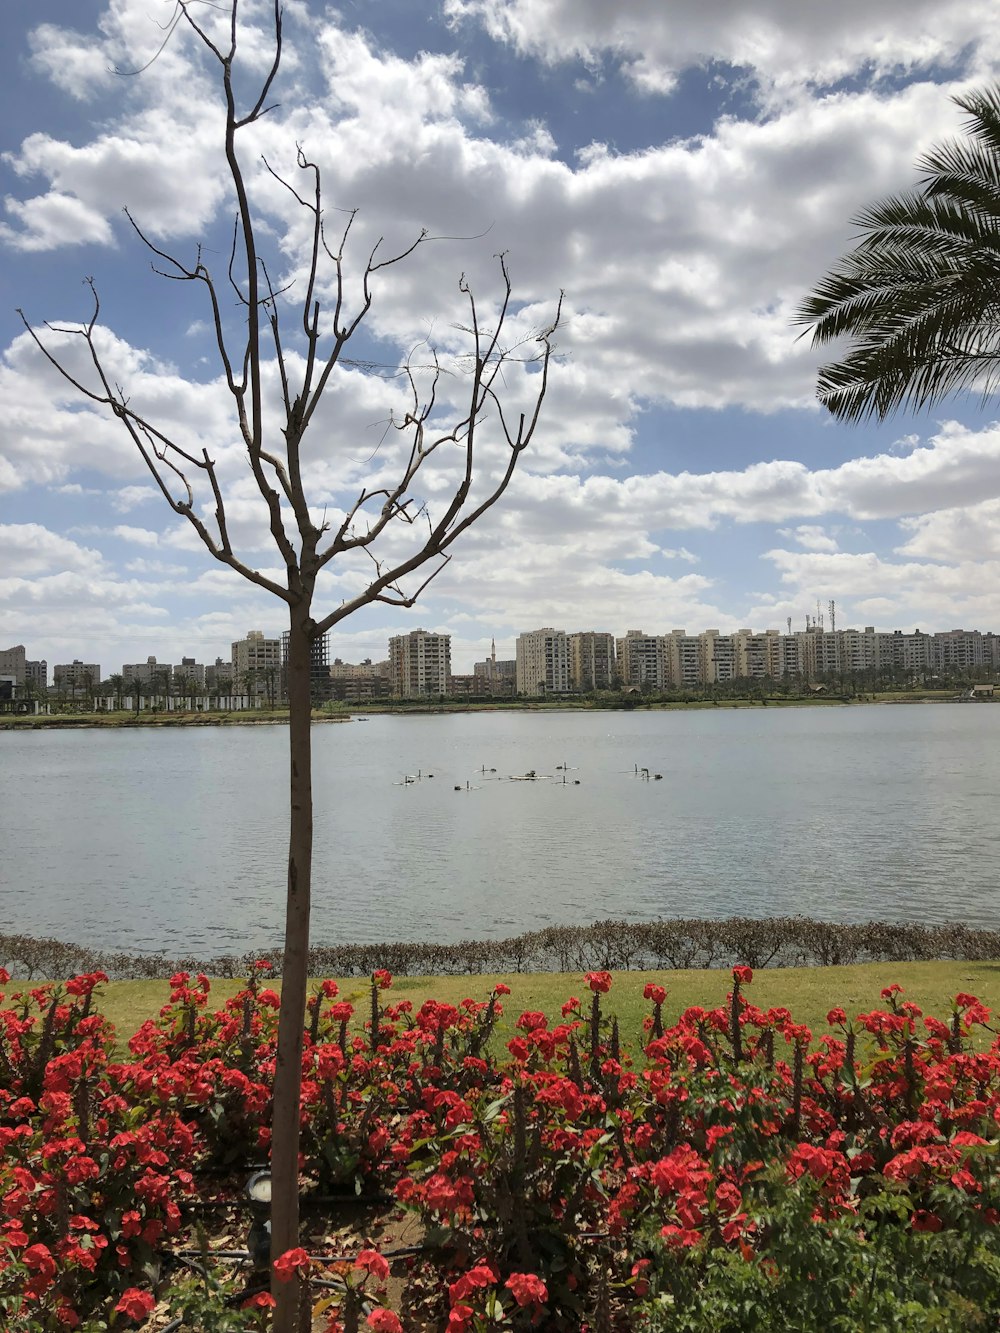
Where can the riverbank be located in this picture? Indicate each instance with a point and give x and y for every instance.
(407, 708)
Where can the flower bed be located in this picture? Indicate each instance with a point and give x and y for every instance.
(728, 1174)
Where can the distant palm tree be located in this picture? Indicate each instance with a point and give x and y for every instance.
(919, 296)
(117, 683)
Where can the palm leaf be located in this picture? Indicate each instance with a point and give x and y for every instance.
(917, 297)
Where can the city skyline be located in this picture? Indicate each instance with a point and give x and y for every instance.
(686, 180)
(265, 650)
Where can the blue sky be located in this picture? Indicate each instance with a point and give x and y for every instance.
(683, 172)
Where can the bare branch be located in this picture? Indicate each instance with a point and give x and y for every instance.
(256, 111)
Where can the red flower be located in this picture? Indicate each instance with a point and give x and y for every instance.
(743, 975)
(262, 1301)
(651, 991)
(527, 1289)
(385, 1321)
(922, 1220)
(518, 1048)
(599, 982)
(679, 1238)
(39, 1257)
(372, 1262)
(482, 1275)
(291, 1262)
(530, 1020)
(135, 1304)
(382, 978)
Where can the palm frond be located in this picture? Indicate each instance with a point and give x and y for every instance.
(918, 298)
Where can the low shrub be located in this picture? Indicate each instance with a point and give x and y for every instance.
(616, 945)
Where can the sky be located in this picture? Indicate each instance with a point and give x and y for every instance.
(683, 173)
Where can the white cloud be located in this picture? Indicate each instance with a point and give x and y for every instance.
(784, 43)
(32, 549)
(682, 264)
(810, 536)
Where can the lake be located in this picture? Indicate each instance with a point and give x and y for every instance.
(175, 839)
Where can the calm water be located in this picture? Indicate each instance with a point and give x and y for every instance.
(150, 839)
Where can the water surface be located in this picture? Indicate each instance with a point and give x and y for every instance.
(176, 839)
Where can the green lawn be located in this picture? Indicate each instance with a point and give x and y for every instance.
(809, 992)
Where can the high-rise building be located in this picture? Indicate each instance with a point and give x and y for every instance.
(542, 662)
(758, 655)
(419, 664)
(720, 655)
(642, 661)
(257, 664)
(591, 661)
(685, 659)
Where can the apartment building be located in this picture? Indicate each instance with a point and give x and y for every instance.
(591, 661)
(219, 675)
(907, 652)
(359, 682)
(150, 674)
(419, 664)
(542, 657)
(188, 674)
(36, 674)
(256, 662)
(720, 656)
(76, 677)
(340, 670)
(857, 649)
(758, 655)
(642, 661)
(13, 663)
(957, 650)
(685, 659)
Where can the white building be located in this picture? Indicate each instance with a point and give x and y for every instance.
(685, 659)
(257, 663)
(419, 664)
(542, 657)
(643, 661)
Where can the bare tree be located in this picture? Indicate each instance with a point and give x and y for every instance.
(276, 456)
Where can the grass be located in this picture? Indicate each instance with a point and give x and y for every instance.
(809, 992)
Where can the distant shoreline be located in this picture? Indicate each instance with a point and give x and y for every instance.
(250, 718)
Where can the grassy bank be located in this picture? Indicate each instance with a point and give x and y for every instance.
(809, 992)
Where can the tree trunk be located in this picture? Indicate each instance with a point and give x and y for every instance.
(291, 1019)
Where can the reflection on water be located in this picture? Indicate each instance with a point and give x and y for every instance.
(176, 839)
